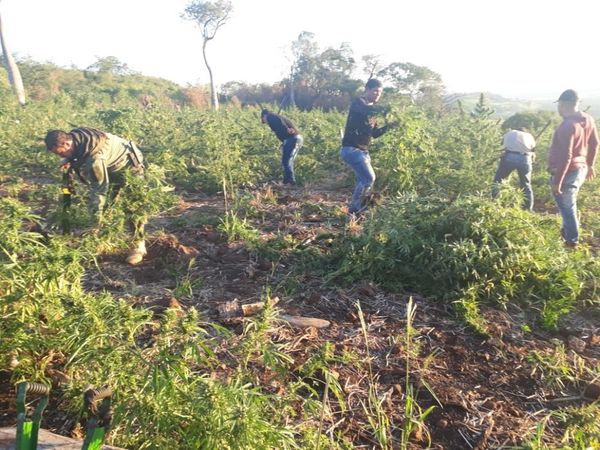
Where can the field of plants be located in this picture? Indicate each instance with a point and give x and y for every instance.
(455, 321)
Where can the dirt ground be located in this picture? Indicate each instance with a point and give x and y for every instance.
(486, 392)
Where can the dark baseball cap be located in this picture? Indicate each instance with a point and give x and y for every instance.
(568, 96)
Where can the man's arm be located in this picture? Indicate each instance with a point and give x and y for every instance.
(291, 129)
(592, 152)
(384, 129)
(380, 131)
(368, 111)
(531, 144)
(564, 152)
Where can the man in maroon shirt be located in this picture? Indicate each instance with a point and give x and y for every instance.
(571, 161)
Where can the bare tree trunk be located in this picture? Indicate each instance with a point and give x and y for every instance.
(214, 98)
(14, 76)
(292, 97)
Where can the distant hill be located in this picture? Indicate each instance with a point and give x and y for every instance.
(506, 107)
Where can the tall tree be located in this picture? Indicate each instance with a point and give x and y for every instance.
(333, 69)
(304, 49)
(110, 65)
(408, 78)
(209, 16)
(322, 76)
(14, 76)
(482, 109)
(371, 64)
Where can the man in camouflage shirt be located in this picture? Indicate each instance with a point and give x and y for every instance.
(100, 160)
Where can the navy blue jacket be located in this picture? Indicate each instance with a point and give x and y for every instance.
(280, 125)
(361, 125)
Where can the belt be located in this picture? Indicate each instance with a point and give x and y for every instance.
(519, 153)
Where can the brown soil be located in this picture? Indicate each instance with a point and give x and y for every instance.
(485, 391)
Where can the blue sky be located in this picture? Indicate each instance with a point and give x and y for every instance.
(526, 48)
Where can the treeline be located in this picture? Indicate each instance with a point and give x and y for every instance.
(319, 78)
(107, 81)
(327, 79)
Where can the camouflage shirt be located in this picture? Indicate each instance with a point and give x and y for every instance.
(100, 159)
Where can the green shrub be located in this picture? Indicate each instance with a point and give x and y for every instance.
(467, 251)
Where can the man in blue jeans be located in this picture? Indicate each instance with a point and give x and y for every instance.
(291, 142)
(571, 161)
(518, 155)
(361, 125)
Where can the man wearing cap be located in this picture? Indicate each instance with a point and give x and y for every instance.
(291, 142)
(100, 160)
(571, 161)
(519, 147)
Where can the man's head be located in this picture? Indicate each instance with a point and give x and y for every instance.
(263, 115)
(373, 90)
(568, 103)
(60, 143)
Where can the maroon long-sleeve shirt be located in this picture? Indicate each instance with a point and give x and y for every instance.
(574, 145)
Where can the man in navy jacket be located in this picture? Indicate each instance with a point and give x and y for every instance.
(290, 138)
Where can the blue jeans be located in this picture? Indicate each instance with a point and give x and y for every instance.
(522, 163)
(289, 150)
(360, 162)
(567, 203)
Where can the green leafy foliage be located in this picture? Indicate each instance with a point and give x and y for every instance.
(160, 371)
(467, 251)
(437, 234)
